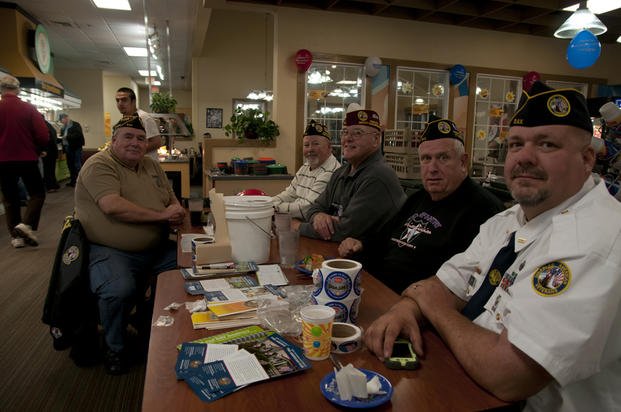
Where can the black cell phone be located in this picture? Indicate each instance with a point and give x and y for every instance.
(403, 356)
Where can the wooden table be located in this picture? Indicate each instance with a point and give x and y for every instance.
(440, 383)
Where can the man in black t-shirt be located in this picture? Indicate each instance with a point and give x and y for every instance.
(434, 223)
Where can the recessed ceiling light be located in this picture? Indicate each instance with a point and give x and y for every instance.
(136, 51)
(145, 73)
(619, 39)
(597, 6)
(113, 4)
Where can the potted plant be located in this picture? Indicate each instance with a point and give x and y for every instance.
(163, 103)
(252, 124)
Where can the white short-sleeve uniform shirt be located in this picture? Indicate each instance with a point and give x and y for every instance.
(560, 299)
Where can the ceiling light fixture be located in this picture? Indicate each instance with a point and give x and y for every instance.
(145, 73)
(113, 4)
(597, 6)
(619, 39)
(136, 51)
(582, 19)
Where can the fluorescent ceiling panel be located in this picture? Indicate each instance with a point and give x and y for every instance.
(113, 4)
(136, 51)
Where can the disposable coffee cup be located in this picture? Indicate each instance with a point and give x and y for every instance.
(317, 323)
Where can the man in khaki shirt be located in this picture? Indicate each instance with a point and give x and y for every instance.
(126, 207)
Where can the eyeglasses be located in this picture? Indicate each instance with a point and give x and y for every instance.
(355, 133)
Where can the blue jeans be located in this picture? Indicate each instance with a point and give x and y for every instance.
(74, 162)
(120, 279)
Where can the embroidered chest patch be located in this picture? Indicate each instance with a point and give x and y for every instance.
(551, 279)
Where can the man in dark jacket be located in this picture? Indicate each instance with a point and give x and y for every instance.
(73, 140)
(434, 223)
(49, 155)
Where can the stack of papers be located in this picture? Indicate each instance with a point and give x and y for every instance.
(215, 370)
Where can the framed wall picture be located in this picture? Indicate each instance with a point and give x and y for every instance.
(214, 118)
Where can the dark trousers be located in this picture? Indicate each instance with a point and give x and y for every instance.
(74, 162)
(10, 172)
(49, 171)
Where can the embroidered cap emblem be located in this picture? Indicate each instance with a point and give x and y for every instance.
(362, 115)
(70, 255)
(551, 279)
(558, 105)
(444, 127)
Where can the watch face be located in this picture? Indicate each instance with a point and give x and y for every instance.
(42, 49)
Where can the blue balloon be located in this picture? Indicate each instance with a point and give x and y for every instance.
(583, 50)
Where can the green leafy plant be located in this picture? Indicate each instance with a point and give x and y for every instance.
(163, 103)
(252, 124)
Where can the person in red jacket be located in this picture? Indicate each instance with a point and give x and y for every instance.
(22, 131)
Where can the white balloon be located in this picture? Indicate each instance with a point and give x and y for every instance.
(372, 65)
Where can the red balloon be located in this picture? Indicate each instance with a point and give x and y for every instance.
(303, 59)
(529, 79)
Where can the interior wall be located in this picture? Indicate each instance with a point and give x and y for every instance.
(237, 58)
(87, 85)
(231, 64)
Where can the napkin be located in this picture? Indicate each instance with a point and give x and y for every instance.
(352, 382)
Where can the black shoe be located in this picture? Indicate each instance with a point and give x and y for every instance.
(114, 363)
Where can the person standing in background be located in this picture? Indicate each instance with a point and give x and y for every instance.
(126, 103)
(22, 131)
(73, 141)
(49, 155)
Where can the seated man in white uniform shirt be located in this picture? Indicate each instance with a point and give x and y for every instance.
(547, 329)
(311, 179)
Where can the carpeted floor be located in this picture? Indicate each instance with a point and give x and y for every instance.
(34, 377)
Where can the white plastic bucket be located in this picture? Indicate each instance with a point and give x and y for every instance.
(249, 219)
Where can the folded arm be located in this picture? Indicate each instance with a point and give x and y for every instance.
(489, 358)
(123, 210)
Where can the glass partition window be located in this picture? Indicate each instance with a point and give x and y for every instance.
(496, 101)
(420, 92)
(330, 88)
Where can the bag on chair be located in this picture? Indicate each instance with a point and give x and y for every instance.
(70, 307)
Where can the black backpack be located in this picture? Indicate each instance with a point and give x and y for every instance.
(70, 307)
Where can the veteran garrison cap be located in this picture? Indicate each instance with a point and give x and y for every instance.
(438, 128)
(546, 106)
(132, 121)
(316, 129)
(363, 117)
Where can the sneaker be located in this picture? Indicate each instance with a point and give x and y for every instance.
(27, 233)
(17, 242)
(114, 363)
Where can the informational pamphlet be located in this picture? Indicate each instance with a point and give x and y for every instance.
(211, 380)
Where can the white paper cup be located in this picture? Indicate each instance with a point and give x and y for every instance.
(317, 323)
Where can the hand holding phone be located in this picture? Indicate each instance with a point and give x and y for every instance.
(403, 356)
